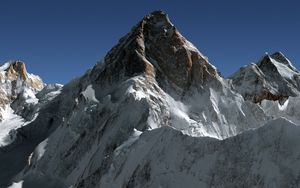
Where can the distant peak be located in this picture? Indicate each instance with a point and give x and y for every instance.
(158, 13)
(279, 57)
(279, 54)
(157, 20)
(265, 59)
(17, 68)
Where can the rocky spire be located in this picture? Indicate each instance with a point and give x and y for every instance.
(15, 69)
(14, 80)
(155, 47)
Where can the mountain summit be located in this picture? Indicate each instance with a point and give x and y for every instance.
(155, 113)
(15, 81)
(15, 69)
(155, 47)
(21, 96)
(272, 78)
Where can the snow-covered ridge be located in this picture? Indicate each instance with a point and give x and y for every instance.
(284, 70)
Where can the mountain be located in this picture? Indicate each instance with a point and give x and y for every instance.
(21, 96)
(15, 83)
(156, 113)
(272, 78)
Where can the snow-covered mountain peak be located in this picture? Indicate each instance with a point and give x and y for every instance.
(278, 62)
(272, 78)
(21, 96)
(15, 81)
(16, 70)
(281, 58)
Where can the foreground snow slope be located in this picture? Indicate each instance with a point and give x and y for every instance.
(265, 157)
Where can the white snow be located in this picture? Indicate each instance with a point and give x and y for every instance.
(191, 46)
(284, 106)
(4, 66)
(41, 148)
(283, 69)
(133, 138)
(138, 95)
(179, 116)
(9, 123)
(288, 110)
(29, 95)
(17, 185)
(89, 94)
(33, 76)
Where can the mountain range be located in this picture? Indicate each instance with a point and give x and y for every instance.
(154, 112)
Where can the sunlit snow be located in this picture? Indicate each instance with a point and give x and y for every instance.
(89, 94)
(9, 123)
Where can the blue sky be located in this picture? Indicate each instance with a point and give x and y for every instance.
(60, 40)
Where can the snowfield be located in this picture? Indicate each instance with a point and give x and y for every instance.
(8, 125)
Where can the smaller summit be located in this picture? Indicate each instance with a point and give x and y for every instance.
(279, 57)
(278, 65)
(15, 80)
(272, 78)
(15, 69)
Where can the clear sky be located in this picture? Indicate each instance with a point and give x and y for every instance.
(61, 39)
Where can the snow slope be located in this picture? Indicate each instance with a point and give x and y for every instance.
(167, 158)
(9, 123)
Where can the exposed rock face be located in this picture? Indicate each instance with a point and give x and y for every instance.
(16, 69)
(14, 80)
(22, 95)
(155, 47)
(272, 78)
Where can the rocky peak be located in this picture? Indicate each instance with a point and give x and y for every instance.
(16, 69)
(274, 78)
(266, 65)
(155, 47)
(280, 57)
(14, 80)
(274, 59)
(277, 65)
